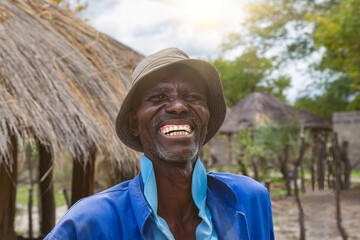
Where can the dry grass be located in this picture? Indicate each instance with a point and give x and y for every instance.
(61, 81)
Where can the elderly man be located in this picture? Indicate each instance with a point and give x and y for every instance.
(175, 106)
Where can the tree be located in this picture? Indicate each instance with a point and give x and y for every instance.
(338, 32)
(297, 30)
(335, 96)
(249, 73)
(279, 27)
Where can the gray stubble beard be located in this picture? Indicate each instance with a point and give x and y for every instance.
(172, 157)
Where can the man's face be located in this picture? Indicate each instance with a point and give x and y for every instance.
(172, 117)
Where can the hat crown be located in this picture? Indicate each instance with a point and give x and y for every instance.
(157, 60)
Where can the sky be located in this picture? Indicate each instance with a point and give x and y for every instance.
(198, 27)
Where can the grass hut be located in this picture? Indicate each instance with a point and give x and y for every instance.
(261, 109)
(61, 85)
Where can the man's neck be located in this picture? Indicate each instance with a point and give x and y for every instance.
(175, 201)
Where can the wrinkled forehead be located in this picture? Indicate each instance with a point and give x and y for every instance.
(178, 74)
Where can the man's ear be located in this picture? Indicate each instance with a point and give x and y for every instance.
(132, 122)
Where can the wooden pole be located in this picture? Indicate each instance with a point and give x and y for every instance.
(30, 204)
(303, 189)
(329, 173)
(347, 165)
(297, 163)
(313, 163)
(66, 196)
(336, 155)
(28, 154)
(83, 176)
(320, 162)
(8, 183)
(286, 171)
(46, 186)
(228, 140)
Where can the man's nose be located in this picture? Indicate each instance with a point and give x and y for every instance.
(176, 106)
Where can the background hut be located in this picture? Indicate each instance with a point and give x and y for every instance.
(61, 85)
(261, 109)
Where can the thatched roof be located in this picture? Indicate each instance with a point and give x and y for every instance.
(260, 109)
(61, 81)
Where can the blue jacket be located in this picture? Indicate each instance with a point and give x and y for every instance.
(240, 208)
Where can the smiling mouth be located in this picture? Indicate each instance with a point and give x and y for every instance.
(176, 130)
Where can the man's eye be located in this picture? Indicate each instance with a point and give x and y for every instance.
(158, 97)
(192, 97)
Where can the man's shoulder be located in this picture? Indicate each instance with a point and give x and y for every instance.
(237, 180)
(97, 214)
(104, 199)
(240, 184)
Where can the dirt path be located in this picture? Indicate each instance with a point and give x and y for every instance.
(320, 222)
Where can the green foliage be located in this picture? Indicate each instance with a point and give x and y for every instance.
(336, 97)
(251, 147)
(338, 32)
(296, 29)
(22, 196)
(249, 73)
(279, 192)
(265, 146)
(355, 173)
(277, 24)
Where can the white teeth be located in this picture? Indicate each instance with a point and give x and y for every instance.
(179, 130)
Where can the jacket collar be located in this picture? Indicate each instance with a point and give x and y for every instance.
(222, 202)
(141, 211)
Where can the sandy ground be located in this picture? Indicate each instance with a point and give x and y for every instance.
(319, 208)
(320, 216)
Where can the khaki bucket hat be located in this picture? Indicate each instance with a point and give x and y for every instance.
(159, 61)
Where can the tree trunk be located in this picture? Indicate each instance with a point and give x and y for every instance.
(8, 182)
(255, 168)
(312, 165)
(228, 141)
(243, 167)
(297, 163)
(303, 189)
(320, 163)
(286, 171)
(83, 177)
(347, 165)
(46, 186)
(337, 156)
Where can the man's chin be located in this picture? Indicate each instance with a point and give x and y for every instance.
(177, 157)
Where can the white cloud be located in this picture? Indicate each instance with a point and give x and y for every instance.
(196, 26)
(150, 25)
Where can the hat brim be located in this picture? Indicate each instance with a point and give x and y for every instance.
(216, 101)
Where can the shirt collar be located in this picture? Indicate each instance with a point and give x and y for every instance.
(198, 185)
(160, 228)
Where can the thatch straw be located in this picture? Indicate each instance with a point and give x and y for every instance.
(62, 82)
(260, 109)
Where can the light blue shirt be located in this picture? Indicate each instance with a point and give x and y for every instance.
(205, 230)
